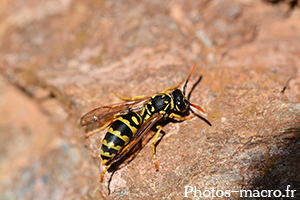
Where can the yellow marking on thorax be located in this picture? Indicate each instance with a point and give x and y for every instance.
(166, 107)
(148, 111)
(152, 109)
(172, 104)
(143, 111)
(135, 120)
(153, 97)
(162, 112)
(146, 117)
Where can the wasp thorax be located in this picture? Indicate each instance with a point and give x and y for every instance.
(179, 100)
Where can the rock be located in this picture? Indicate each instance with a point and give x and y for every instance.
(70, 57)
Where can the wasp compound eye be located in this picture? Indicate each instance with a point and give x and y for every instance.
(179, 100)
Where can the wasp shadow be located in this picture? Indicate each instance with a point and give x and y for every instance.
(189, 96)
(280, 171)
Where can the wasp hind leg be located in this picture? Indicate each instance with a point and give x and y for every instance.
(103, 173)
(101, 128)
(153, 144)
(114, 160)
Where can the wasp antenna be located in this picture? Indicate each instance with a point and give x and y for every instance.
(187, 80)
(199, 108)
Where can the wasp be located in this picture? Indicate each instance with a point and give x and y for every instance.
(130, 120)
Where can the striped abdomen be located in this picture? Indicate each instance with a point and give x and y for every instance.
(119, 134)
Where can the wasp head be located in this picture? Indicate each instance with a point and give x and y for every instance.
(181, 103)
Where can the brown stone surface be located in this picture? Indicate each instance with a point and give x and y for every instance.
(63, 58)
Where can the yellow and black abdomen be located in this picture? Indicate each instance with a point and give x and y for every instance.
(119, 134)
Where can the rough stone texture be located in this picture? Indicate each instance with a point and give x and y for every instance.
(64, 58)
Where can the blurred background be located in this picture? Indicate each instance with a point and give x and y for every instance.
(61, 58)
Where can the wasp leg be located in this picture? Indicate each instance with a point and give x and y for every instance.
(172, 88)
(153, 144)
(102, 175)
(101, 128)
(92, 132)
(173, 115)
(130, 98)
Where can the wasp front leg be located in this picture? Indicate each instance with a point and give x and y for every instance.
(173, 115)
(153, 145)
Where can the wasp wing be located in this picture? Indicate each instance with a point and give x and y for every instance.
(137, 137)
(104, 114)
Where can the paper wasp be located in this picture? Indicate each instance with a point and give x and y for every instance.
(130, 120)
